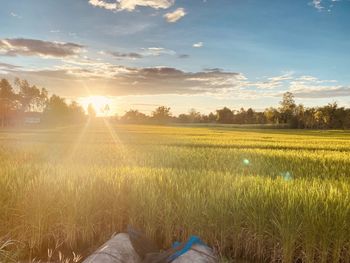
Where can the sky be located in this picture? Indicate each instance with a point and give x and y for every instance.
(202, 54)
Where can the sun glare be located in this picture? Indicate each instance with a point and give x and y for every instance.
(101, 104)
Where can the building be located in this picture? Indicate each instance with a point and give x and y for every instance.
(32, 118)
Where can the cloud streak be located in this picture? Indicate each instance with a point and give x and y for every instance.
(121, 55)
(198, 45)
(76, 75)
(131, 5)
(175, 16)
(33, 47)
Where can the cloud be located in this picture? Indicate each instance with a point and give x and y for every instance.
(175, 16)
(322, 5)
(103, 4)
(130, 55)
(6, 66)
(15, 15)
(301, 86)
(77, 76)
(73, 77)
(33, 47)
(213, 69)
(198, 45)
(322, 92)
(131, 5)
(312, 87)
(270, 83)
(157, 51)
(317, 4)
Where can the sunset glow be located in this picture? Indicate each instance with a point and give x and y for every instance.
(101, 104)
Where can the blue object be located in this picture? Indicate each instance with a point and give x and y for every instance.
(193, 240)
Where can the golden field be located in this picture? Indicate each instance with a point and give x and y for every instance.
(264, 195)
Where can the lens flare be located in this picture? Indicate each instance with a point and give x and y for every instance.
(287, 176)
(246, 162)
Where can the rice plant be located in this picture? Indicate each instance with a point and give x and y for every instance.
(264, 195)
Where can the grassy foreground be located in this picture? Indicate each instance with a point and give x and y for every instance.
(267, 195)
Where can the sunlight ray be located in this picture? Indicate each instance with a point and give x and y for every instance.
(79, 140)
(112, 133)
(119, 145)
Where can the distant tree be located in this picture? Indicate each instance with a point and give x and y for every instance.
(8, 102)
(56, 111)
(260, 118)
(161, 114)
(31, 97)
(287, 108)
(272, 115)
(194, 116)
(240, 116)
(224, 115)
(212, 117)
(134, 116)
(91, 111)
(309, 118)
(298, 121)
(183, 118)
(342, 116)
(250, 116)
(321, 119)
(76, 112)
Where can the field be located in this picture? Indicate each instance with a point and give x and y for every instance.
(264, 195)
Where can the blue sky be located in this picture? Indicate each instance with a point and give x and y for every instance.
(184, 54)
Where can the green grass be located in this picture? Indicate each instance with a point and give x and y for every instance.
(265, 195)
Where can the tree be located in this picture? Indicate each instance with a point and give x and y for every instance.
(183, 118)
(298, 120)
(31, 97)
(225, 115)
(134, 116)
(194, 116)
(59, 112)
(8, 102)
(161, 114)
(250, 116)
(56, 111)
(76, 112)
(212, 117)
(272, 115)
(287, 107)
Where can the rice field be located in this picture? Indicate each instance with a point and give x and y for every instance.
(262, 195)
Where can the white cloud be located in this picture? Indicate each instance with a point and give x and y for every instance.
(131, 5)
(198, 45)
(15, 15)
(324, 5)
(157, 51)
(103, 4)
(312, 87)
(317, 4)
(175, 16)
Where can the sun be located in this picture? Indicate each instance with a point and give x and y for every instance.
(101, 104)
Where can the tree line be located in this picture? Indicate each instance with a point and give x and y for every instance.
(288, 114)
(20, 99)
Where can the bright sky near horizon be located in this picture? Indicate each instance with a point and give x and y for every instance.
(202, 54)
